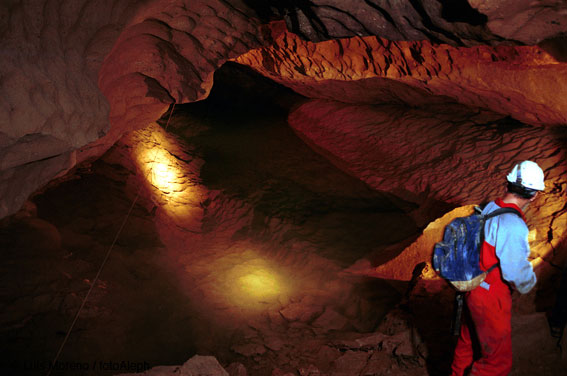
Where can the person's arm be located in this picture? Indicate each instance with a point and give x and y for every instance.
(512, 248)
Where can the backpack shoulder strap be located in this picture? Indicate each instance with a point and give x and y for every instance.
(502, 211)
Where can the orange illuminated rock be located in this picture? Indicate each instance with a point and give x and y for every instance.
(443, 154)
(78, 75)
(171, 50)
(166, 173)
(524, 82)
(420, 251)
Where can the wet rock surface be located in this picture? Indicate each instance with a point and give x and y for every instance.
(78, 75)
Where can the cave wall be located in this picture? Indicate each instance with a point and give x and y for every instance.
(436, 148)
(455, 22)
(445, 153)
(525, 82)
(79, 74)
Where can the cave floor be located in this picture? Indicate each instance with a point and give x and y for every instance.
(258, 283)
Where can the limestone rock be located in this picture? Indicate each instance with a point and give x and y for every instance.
(399, 344)
(330, 320)
(196, 366)
(530, 335)
(524, 20)
(74, 84)
(274, 343)
(378, 364)
(403, 343)
(351, 363)
(469, 169)
(279, 372)
(372, 341)
(326, 355)
(48, 237)
(202, 365)
(396, 321)
(421, 250)
(523, 82)
(452, 22)
(310, 370)
(301, 312)
(69, 92)
(236, 369)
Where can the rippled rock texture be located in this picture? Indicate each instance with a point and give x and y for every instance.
(524, 82)
(76, 75)
(446, 154)
(244, 242)
(79, 74)
(457, 22)
(236, 237)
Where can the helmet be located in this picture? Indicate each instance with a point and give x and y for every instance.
(527, 174)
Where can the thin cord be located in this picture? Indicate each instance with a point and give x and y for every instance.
(95, 280)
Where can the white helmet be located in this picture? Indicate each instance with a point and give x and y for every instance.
(528, 175)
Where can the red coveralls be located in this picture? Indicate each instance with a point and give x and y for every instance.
(489, 308)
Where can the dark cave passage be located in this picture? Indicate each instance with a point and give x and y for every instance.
(251, 154)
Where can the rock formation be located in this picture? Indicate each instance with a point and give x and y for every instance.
(518, 81)
(80, 74)
(425, 104)
(480, 151)
(196, 366)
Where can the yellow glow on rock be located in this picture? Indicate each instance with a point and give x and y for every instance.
(260, 284)
(164, 173)
(170, 174)
(532, 235)
(247, 280)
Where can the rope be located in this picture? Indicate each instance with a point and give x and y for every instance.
(95, 280)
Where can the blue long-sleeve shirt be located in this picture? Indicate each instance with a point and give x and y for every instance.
(507, 234)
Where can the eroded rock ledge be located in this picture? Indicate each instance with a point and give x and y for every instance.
(447, 153)
(524, 82)
(79, 74)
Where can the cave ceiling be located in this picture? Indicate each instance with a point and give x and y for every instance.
(77, 75)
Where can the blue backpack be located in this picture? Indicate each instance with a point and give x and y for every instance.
(457, 257)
